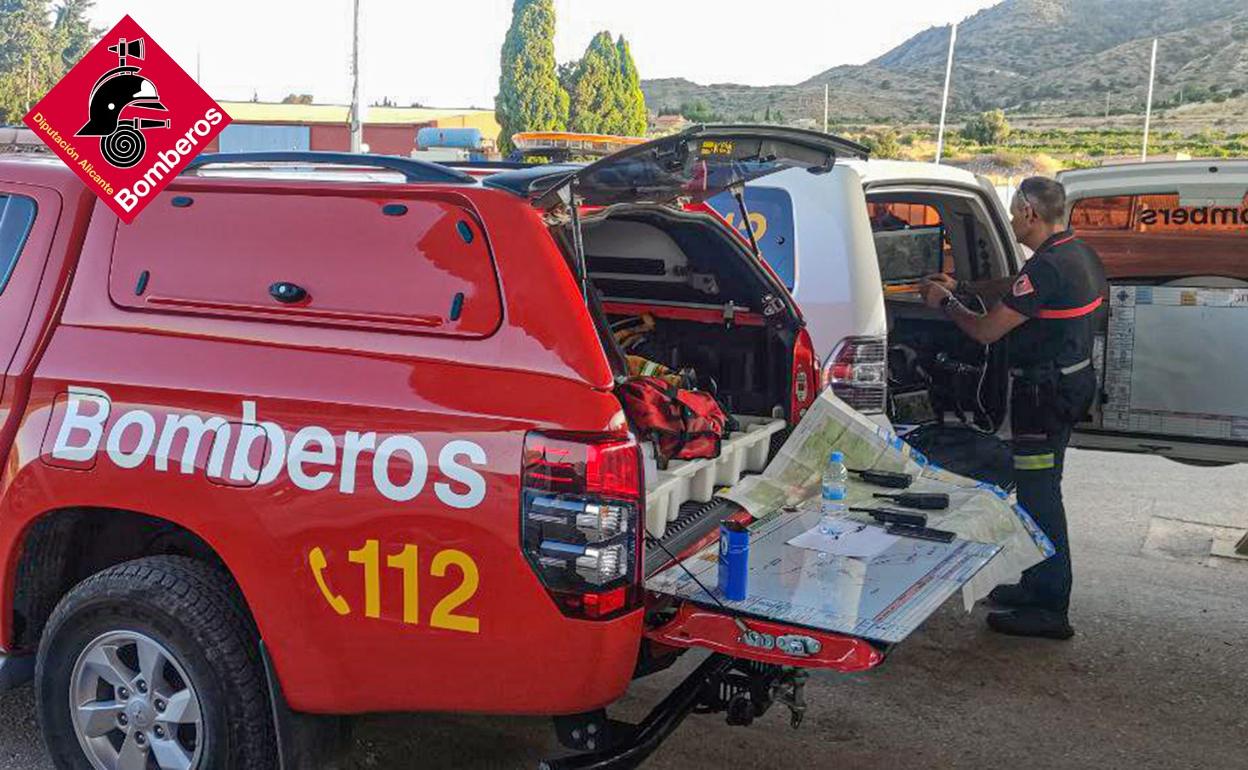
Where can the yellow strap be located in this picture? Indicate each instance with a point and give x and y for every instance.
(1034, 462)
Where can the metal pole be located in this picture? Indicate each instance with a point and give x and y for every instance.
(357, 127)
(825, 108)
(944, 100)
(1148, 109)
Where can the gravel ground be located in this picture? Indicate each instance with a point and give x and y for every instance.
(1154, 679)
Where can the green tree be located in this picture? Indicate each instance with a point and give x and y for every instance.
(595, 88)
(73, 32)
(987, 128)
(565, 72)
(529, 95)
(35, 50)
(699, 111)
(634, 117)
(883, 144)
(26, 69)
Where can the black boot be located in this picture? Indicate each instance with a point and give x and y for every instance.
(1012, 597)
(1044, 624)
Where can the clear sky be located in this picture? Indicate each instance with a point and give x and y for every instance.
(444, 53)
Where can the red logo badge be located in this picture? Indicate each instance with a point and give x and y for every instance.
(127, 119)
(1023, 287)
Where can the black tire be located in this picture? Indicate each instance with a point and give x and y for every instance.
(195, 612)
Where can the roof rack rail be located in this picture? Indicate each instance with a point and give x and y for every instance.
(413, 171)
(501, 165)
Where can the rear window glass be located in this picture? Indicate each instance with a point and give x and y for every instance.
(909, 241)
(902, 216)
(771, 213)
(1153, 236)
(402, 263)
(16, 216)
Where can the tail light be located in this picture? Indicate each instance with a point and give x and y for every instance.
(856, 372)
(805, 374)
(580, 519)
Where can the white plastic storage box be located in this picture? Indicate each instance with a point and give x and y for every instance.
(684, 480)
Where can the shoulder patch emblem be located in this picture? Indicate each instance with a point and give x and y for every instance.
(1023, 287)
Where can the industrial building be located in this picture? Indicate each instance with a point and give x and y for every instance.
(387, 130)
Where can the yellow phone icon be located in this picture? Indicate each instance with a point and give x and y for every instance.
(316, 560)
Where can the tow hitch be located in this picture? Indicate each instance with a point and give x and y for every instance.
(745, 690)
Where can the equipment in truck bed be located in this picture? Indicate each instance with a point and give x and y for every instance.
(743, 451)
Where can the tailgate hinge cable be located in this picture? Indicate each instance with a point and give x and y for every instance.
(748, 635)
(578, 243)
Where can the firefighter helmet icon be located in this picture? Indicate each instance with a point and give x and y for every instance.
(114, 93)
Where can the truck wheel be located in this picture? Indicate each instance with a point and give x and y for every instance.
(154, 663)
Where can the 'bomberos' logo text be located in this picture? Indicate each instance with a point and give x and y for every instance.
(127, 118)
(249, 451)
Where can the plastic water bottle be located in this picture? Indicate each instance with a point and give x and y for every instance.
(835, 478)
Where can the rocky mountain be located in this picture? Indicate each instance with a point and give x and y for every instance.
(1043, 57)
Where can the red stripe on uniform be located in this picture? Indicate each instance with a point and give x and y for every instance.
(1067, 239)
(1071, 312)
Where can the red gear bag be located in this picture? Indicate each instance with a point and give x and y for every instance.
(684, 424)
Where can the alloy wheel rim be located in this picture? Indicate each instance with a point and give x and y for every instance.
(133, 707)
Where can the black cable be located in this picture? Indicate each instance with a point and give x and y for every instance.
(740, 623)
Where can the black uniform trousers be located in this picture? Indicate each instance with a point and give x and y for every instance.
(1044, 408)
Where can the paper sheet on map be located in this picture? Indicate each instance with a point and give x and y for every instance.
(977, 511)
(844, 537)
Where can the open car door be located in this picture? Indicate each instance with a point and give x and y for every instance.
(1172, 354)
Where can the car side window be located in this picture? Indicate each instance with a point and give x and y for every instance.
(910, 240)
(412, 262)
(17, 214)
(771, 216)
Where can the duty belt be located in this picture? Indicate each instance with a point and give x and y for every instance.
(1065, 371)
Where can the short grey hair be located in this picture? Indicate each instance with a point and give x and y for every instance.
(1047, 197)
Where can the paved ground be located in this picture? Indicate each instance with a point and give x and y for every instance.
(1154, 679)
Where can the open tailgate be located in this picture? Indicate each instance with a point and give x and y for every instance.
(821, 604)
(695, 165)
(813, 608)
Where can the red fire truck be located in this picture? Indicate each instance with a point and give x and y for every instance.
(321, 435)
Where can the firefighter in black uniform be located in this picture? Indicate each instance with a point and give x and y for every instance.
(1046, 314)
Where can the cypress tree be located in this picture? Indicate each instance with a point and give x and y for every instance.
(634, 117)
(595, 88)
(529, 95)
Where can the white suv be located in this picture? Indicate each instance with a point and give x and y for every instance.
(1172, 352)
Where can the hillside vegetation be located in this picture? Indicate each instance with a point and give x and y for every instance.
(1032, 58)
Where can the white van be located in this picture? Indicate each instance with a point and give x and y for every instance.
(1171, 352)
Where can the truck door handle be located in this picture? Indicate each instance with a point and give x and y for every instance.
(287, 292)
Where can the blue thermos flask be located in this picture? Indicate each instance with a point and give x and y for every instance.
(734, 560)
